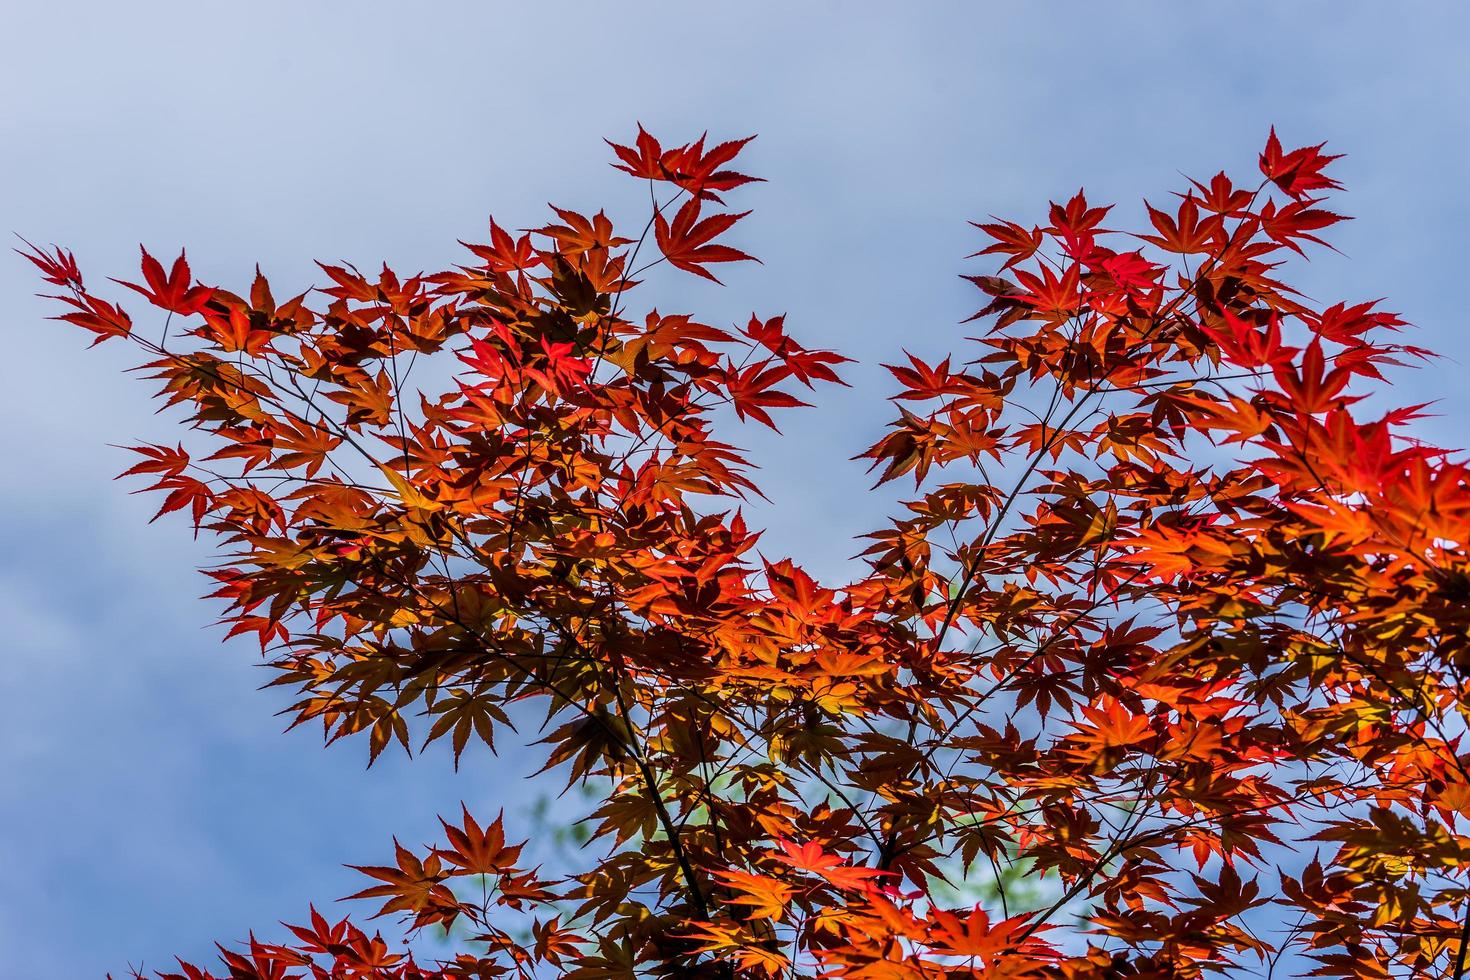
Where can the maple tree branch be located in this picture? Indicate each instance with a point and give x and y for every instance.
(1464, 944)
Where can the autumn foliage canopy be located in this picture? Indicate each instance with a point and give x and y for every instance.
(1160, 671)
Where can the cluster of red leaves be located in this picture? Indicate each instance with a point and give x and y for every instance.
(1169, 610)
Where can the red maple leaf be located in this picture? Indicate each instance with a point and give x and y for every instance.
(1298, 172)
(687, 241)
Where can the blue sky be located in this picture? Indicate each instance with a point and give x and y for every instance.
(148, 802)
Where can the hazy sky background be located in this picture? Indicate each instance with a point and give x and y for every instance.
(148, 802)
